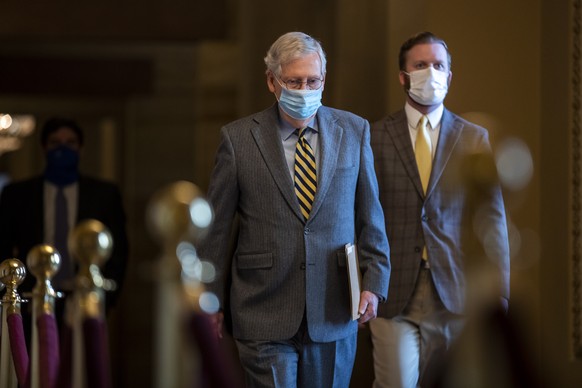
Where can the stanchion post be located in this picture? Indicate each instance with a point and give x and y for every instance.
(91, 244)
(169, 215)
(12, 273)
(43, 262)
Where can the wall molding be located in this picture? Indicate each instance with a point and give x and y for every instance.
(576, 168)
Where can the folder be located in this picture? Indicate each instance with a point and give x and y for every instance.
(355, 279)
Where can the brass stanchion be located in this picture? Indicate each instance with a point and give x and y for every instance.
(178, 217)
(91, 244)
(12, 274)
(43, 262)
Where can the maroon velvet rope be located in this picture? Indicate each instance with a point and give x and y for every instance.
(48, 349)
(96, 353)
(64, 380)
(18, 347)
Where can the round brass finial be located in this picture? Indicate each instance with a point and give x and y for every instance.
(178, 211)
(90, 243)
(43, 261)
(12, 273)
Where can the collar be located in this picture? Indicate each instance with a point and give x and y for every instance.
(66, 188)
(286, 130)
(434, 117)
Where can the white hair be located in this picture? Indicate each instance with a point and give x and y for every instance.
(291, 46)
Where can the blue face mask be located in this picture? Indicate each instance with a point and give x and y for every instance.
(300, 104)
(62, 165)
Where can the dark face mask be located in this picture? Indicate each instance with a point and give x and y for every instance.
(62, 166)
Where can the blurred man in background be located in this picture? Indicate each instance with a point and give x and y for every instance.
(45, 208)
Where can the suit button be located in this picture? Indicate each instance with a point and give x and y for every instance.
(306, 231)
(302, 266)
(417, 249)
(425, 218)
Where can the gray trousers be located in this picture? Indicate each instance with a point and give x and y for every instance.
(298, 362)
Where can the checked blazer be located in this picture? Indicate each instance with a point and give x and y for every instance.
(413, 219)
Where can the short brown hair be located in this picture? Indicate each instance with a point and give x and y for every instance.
(420, 38)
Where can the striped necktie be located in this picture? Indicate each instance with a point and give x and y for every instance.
(305, 174)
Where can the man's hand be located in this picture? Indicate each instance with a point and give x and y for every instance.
(216, 321)
(368, 306)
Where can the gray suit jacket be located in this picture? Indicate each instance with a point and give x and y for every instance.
(437, 220)
(283, 267)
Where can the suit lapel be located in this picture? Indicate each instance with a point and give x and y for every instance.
(400, 134)
(268, 140)
(330, 137)
(449, 136)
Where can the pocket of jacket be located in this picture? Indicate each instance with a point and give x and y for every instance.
(255, 261)
(341, 171)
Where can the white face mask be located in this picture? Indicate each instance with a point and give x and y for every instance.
(428, 86)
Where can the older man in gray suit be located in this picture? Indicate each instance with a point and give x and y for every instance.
(300, 177)
(421, 153)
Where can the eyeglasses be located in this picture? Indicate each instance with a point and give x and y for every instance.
(312, 83)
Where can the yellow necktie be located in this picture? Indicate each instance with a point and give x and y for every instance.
(305, 174)
(423, 152)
